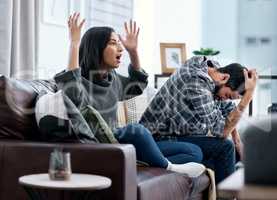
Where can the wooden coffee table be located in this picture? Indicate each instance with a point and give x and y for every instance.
(82, 185)
(234, 187)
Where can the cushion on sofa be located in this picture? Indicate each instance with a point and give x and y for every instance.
(158, 183)
(59, 119)
(51, 116)
(131, 110)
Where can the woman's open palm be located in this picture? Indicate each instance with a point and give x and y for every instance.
(75, 27)
(130, 42)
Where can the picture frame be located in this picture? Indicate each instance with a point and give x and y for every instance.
(173, 55)
(56, 12)
(160, 79)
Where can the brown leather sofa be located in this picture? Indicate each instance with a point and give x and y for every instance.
(22, 152)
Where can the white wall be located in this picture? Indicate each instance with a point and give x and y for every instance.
(179, 21)
(144, 13)
(174, 21)
(258, 23)
(220, 28)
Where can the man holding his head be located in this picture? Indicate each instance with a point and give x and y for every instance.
(193, 106)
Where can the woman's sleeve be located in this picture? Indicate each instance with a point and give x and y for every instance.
(70, 82)
(134, 84)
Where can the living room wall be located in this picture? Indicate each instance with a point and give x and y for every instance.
(172, 21)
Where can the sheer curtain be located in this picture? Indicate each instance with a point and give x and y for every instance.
(18, 38)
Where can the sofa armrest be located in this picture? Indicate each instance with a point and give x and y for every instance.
(115, 161)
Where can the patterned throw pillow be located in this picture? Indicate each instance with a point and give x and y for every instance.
(135, 107)
(59, 119)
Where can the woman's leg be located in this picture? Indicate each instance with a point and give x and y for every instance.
(148, 151)
(180, 152)
(146, 147)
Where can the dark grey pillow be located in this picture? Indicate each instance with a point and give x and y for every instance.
(260, 141)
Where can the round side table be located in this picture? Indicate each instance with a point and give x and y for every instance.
(81, 184)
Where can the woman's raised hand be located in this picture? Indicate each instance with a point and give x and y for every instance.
(75, 27)
(130, 42)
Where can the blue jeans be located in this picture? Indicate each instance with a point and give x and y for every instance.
(155, 154)
(218, 153)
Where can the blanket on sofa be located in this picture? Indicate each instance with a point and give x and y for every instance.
(59, 119)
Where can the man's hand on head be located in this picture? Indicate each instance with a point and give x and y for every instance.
(251, 77)
(234, 116)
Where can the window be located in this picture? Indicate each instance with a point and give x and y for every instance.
(109, 13)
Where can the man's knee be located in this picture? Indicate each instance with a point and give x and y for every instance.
(228, 146)
(197, 154)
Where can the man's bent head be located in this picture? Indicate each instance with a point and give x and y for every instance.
(233, 87)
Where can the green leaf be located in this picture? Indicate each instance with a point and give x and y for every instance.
(206, 52)
(197, 52)
(215, 53)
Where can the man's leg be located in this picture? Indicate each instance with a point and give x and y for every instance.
(180, 152)
(218, 154)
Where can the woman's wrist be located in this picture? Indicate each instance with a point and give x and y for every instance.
(134, 57)
(133, 52)
(75, 43)
(73, 55)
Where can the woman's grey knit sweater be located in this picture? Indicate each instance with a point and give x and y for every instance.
(104, 94)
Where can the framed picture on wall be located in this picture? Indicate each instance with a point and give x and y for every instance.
(160, 79)
(173, 55)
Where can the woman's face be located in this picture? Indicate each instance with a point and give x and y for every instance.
(112, 53)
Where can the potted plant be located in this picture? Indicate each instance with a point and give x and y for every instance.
(59, 166)
(206, 52)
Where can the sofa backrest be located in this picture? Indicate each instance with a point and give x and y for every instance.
(17, 101)
(17, 107)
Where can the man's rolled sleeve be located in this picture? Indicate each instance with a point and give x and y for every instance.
(226, 107)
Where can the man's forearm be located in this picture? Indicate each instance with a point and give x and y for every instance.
(235, 135)
(234, 116)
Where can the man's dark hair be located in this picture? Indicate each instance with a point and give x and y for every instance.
(92, 46)
(236, 80)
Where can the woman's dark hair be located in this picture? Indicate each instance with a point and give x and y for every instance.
(93, 43)
(236, 80)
